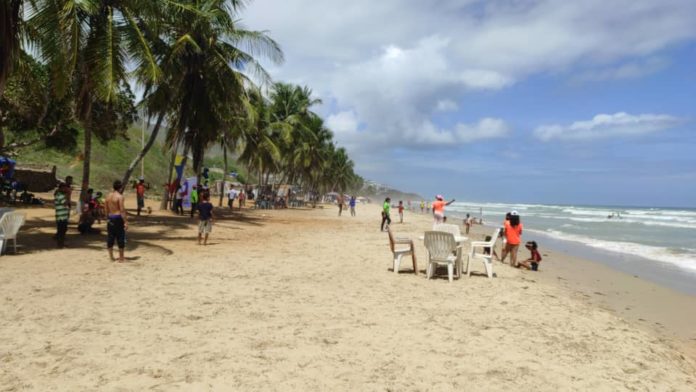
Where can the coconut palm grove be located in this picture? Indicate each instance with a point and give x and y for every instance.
(73, 73)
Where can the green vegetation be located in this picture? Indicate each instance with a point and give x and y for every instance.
(198, 69)
(109, 161)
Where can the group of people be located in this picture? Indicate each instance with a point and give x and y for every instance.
(511, 234)
(341, 202)
(113, 209)
(438, 207)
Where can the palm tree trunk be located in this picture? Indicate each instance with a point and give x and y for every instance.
(144, 151)
(260, 176)
(224, 175)
(87, 161)
(165, 197)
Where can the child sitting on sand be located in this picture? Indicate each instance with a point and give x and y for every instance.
(532, 263)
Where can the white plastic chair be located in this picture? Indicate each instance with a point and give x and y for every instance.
(9, 226)
(487, 259)
(454, 230)
(399, 253)
(442, 249)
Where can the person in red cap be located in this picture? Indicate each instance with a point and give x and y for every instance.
(439, 208)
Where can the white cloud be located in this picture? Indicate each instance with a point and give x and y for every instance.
(487, 128)
(446, 105)
(399, 68)
(416, 136)
(342, 122)
(603, 126)
(629, 70)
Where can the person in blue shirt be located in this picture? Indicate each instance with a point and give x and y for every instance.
(205, 215)
(351, 203)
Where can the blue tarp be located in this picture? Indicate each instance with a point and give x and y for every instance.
(7, 167)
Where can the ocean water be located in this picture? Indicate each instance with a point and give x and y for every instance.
(661, 235)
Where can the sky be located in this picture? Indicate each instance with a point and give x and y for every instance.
(516, 101)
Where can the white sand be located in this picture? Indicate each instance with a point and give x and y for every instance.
(301, 300)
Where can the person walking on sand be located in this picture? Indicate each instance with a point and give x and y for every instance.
(205, 214)
(117, 223)
(513, 234)
(140, 188)
(351, 203)
(401, 211)
(422, 206)
(439, 208)
(386, 208)
(62, 206)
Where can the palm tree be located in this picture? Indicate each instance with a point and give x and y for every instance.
(207, 69)
(87, 44)
(341, 174)
(11, 17)
(261, 136)
(11, 26)
(290, 104)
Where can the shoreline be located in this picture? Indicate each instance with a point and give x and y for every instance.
(659, 300)
(664, 274)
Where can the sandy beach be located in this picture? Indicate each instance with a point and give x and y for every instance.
(301, 299)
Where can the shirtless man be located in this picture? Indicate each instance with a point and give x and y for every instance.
(116, 221)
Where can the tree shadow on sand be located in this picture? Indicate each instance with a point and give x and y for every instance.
(37, 234)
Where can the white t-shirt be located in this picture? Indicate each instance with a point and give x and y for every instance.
(232, 194)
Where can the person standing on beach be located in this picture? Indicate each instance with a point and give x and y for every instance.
(467, 223)
(386, 209)
(140, 193)
(179, 202)
(205, 214)
(351, 203)
(231, 195)
(503, 238)
(194, 200)
(439, 208)
(117, 223)
(62, 206)
(513, 234)
(339, 201)
(401, 211)
(242, 199)
(422, 206)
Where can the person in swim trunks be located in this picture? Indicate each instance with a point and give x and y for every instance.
(117, 222)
